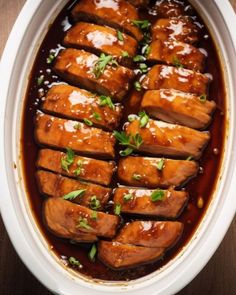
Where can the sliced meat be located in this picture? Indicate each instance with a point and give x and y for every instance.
(139, 201)
(139, 3)
(63, 133)
(161, 76)
(79, 104)
(153, 234)
(178, 107)
(83, 168)
(160, 138)
(170, 173)
(72, 221)
(170, 8)
(98, 39)
(57, 186)
(118, 14)
(176, 29)
(178, 54)
(81, 69)
(118, 256)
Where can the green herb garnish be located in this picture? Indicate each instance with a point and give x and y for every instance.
(40, 80)
(136, 176)
(203, 98)
(146, 49)
(106, 100)
(92, 253)
(131, 141)
(117, 209)
(142, 24)
(157, 195)
(77, 126)
(138, 58)
(137, 86)
(103, 61)
(78, 170)
(132, 117)
(160, 164)
(143, 119)
(189, 158)
(88, 122)
(73, 261)
(97, 116)
(143, 67)
(127, 197)
(83, 222)
(120, 36)
(94, 215)
(125, 54)
(177, 63)
(68, 159)
(74, 194)
(51, 58)
(126, 152)
(94, 203)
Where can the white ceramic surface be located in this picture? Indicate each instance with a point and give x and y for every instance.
(17, 60)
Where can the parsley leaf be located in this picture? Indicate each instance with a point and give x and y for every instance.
(177, 63)
(131, 141)
(74, 194)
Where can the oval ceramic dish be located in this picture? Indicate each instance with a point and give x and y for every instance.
(17, 60)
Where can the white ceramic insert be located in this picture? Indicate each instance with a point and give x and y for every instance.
(26, 36)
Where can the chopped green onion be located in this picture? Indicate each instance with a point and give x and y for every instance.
(125, 54)
(143, 119)
(94, 203)
(177, 63)
(83, 222)
(143, 67)
(136, 176)
(73, 261)
(106, 100)
(40, 80)
(142, 24)
(189, 158)
(117, 209)
(79, 169)
(127, 197)
(160, 164)
(92, 253)
(51, 58)
(203, 98)
(68, 159)
(157, 195)
(97, 116)
(74, 194)
(120, 36)
(137, 86)
(138, 58)
(126, 152)
(94, 215)
(88, 122)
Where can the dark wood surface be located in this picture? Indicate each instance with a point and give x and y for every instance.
(217, 278)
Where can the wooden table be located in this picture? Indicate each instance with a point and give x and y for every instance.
(217, 278)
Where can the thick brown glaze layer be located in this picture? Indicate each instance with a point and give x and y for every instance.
(200, 187)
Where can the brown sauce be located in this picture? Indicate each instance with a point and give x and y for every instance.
(201, 186)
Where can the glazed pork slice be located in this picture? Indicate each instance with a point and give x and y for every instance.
(170, 8)
(181, 29)
(79, 104)
(160, 138)
(102, 39)
(141, 201)
(70, 221)
(153, 234)
(139, 3)
(61, 133)
(118, 256)
(118, 14)
(173, 173)
(178, 107)
(57, 186)
(178, 54)
(161, 76)
(83, 168)
(97, 74)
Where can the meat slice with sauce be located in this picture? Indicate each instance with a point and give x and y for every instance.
(153, 234)
(160, 138)
(76, 222)
(178, 54)
(139, 3)
(178, 107)
(155, 172)
(83, 168)
(57, 186)
(118, 14)
(98, 39)
(118, 256)
(161, 76)
(61, 133)
(141, 201)
(79, 104)
(181, 29)
(102, 75)
(170, 8)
